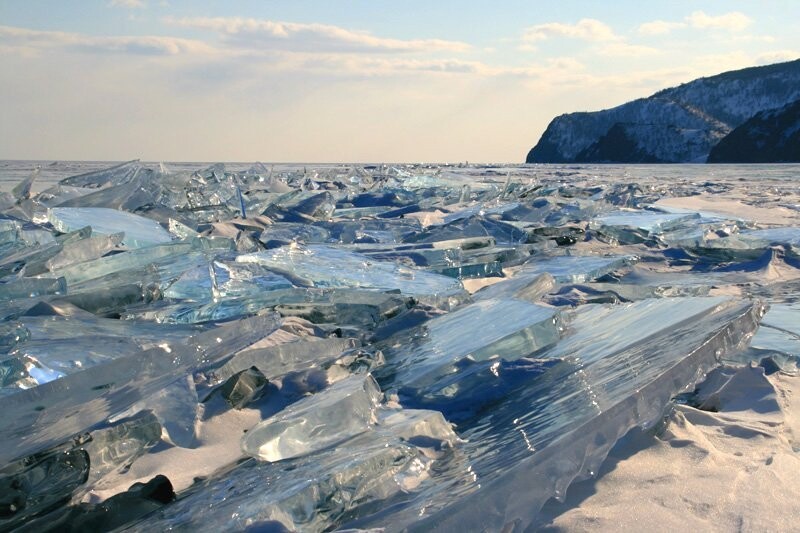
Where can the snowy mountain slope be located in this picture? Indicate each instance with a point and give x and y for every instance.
(680, 124)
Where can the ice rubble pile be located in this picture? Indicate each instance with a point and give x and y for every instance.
(138, 304)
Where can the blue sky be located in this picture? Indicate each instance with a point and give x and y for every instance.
(349, 81)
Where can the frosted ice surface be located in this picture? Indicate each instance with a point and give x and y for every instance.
(138, 231)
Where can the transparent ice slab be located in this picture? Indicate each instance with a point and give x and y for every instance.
(476, 226)
(636, 226)
(327, 266)
(390, 463)
(142, 191)
(138, 231)
(575, 268)
(32, 287)
(778, 338)
(283, 233)
(279, 360)
(345, 409)
(508, 329)
(370, 230)
(617, 367)
(84, 250)
(141, 258)
(460, 258)
(353, 307)
(580, 294)
(759, 239)
(225, 279)
(43, 416)
(108, 176)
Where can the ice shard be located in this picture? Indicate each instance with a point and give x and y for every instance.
(279, 360)
(347, 408)
(138, 231)
(42, 416)
(510, 329)
(344, 307)
(326, 266)
(225, 279)
(777, 339)
(637, 226)
(390, 463)
(617, 368)
(574, 268)
(266, 296)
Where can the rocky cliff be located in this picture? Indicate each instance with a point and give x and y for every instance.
(771, 136)
(676, 125)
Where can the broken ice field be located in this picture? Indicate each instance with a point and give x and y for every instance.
(404, 347)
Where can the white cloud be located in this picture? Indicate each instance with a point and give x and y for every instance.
(733, 21)
(248, 32)
(660, 27)
(777, 56)
(622, 49)
(130, 4)
(26, 40)
(585, 29)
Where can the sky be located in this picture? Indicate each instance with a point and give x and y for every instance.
(349, 80)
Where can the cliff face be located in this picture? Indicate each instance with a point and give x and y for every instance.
(675, 125)
(771, 136)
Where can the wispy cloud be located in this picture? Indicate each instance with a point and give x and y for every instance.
(585, 29)
(606, 41)
(733, 21)
(660, 27)
(249, 32)
(28, 40)
(130, 4)
(623, 49)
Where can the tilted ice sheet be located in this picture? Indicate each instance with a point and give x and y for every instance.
(636, 226)
(50, 413)
(334, 306)
(503, 328)
(779, 337)
(139, 231)
(575, 268)
(345, 409)
(759, 238)
(617, 367)
(649, 221)
(327, 266)
(390, 462)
